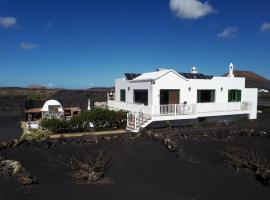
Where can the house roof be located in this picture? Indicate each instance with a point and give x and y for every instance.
(151, 76)
(39, 110)
(33, 110)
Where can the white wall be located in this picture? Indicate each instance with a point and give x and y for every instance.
(173, 81)
(120, 84)
(251, 94)
(216, 83)
(125, 84)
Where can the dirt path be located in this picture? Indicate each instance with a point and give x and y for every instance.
(97, 133)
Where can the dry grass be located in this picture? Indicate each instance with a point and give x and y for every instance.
(254, 160)
(89, 170)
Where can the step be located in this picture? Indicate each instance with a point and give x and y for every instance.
(131, 129)
(146, 123)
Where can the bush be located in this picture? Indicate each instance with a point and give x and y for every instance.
(55, 125)
(36, 135)
(96, 119)
(107, 119)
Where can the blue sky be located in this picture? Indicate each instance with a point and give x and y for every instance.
(76, 44)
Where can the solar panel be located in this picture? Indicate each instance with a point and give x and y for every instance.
(131, 76)
(195, 76)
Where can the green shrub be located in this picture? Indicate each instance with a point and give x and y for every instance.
(101, 119)
(55, 125)
(37, 135)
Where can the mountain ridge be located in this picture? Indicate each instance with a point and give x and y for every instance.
(253, 80)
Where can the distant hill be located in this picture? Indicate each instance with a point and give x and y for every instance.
(36, 86)
(253, 80)
(108, 89)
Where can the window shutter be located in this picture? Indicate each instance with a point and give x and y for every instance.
(229, 95)
(238, 95)
(122, 95)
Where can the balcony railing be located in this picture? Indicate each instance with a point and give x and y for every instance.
(223, 107)
(174, 109)
(180, 109)
(132, 107)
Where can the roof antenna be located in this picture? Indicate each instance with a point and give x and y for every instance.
(230, 74)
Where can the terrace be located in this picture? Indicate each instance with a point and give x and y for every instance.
(140, 113)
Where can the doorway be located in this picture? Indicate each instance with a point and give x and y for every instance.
(169, 97)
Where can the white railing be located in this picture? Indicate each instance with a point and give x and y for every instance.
(52, 114)
(223, 107)
(139, 113)
(174, 109)
(131, 107)
(134, 120)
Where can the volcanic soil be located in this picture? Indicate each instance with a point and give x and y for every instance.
(143, 167)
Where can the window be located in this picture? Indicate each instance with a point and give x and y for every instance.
(141, 96)
(53, 109)
(234, 95)
(122, 95)
(204, 96)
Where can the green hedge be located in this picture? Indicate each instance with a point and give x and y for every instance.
(101, 119)
(36, 135)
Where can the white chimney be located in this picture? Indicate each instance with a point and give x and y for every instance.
(230, 74)
(194, 70)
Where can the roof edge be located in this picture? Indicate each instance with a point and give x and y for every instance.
(167, 71)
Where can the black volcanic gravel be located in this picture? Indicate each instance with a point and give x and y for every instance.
(10, 127)
(143, 168)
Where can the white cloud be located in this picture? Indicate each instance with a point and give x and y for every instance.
(50, 84)
(228, 32)
(7, 22)
(190, 9)
(265, 27)
(28, 46)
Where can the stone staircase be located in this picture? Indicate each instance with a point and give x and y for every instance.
(137, 121)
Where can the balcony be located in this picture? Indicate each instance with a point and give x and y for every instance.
(183, 109)
(223, 107)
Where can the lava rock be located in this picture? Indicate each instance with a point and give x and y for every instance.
(25, 180)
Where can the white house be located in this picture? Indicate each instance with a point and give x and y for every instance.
(52, 108)
(169, 95)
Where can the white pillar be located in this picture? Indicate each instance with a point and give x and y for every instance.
(89, 105)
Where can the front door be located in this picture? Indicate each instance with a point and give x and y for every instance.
(174, 97)
(169, 97)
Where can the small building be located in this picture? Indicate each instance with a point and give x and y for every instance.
(166, 94)
(51, 109)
